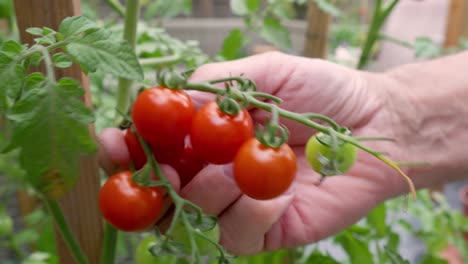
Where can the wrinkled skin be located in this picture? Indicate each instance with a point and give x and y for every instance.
(307, 212)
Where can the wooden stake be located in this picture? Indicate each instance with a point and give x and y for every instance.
(80, 206)
(455, 22)
(318, 23)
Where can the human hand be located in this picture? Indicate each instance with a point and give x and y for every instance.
(308, 212)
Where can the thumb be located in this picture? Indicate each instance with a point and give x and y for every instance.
(262, 69)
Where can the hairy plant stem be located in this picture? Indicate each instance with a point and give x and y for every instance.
(109, 244)
(65, 231)
(300, 118)
(130, 31)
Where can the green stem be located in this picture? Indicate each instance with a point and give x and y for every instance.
(303, 119)
(49, 65)
(117, 7)
(394, 40)
(160, 61)
(378, 18)
(109, 244)
(193, 244)
(65, 231)
(130, 31)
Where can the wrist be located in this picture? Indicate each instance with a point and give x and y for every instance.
(429, 119)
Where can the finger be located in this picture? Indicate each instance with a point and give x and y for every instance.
(173, 178)
(244, 224)
(213, 189)
(113, 153)
(264, 69)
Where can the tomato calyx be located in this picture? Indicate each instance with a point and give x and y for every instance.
(330, 155)
(228, 105)
(268, 136)
(143, 178)
(172, 79)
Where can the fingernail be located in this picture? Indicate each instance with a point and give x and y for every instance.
(227, 169)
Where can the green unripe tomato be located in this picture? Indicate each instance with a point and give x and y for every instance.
(317, 149)
(6, 224)
(144, 256)
(204, 247)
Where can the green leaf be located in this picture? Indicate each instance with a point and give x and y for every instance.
(425, 48)
(61, 60)
(328, 7)
(34, 31)
(46, 40)
(50, 127)
(284, 9)
(357, 250)
(12, 75)
(12, 47)
(168, 9)
(33, 81)
(233, 44)
(274, 32)
(432, 259)
(76, 25)
(376, 218)
(25, 236)
(99, 49)
(318, 257)
(394, 257)
(244, 7)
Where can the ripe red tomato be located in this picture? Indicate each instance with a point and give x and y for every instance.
(217, 136)
(188, 165)
(128, 206)
(137, 154)
(262, 172)
(162, 116)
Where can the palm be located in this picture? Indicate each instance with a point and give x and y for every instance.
(315, 211)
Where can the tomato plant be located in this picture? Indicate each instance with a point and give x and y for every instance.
(216, 136)
(263, 172)
(204, 247)
(128, 206)
(162, 116)
(323, 160)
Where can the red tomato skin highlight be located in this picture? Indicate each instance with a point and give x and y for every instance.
(163, 116)
(263, 172)
(216, 136)
(128, 206)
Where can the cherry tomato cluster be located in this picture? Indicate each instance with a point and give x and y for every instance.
(189, 139)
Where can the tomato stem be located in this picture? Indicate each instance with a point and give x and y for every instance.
(130, 31)
(109, 246)
(178, 201)
(65, 231)
(303, 119)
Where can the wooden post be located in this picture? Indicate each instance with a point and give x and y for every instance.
(456, 20)
(318, 23)
(80, 206)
